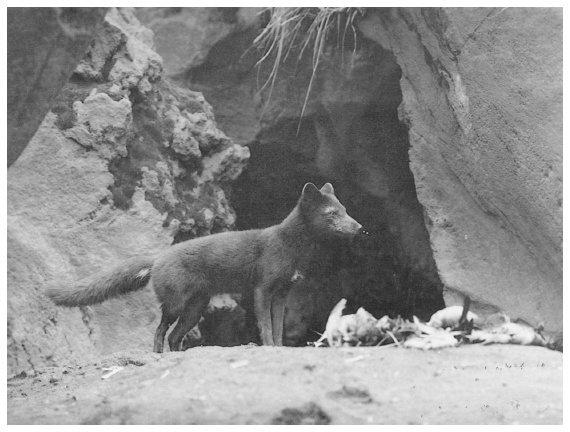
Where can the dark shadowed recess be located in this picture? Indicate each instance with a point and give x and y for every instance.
(377, 272)
(391, 271)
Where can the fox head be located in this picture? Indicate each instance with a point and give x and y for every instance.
(324, 215)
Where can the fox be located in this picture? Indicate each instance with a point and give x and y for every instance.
(263, 262)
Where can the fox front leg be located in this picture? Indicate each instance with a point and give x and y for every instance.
(262, 306)
(278, 315)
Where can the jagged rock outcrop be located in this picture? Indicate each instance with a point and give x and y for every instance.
(125, 164)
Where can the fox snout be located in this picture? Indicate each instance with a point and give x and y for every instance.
(350, 226)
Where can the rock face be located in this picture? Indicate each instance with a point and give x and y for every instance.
(483, 101)
(44, 46)
(441, 130)
(124, 165)
(184, 36)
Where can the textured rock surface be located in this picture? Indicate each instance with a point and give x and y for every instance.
(483, 99)
(184, 36)
(44, 46)
(125, 164)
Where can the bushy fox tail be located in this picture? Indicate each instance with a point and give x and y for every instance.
(129, 276)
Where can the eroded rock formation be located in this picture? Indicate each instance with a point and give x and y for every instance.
(124, 164)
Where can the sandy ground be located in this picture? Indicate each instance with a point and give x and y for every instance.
(498, 384)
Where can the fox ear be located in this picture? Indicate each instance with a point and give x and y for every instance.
(310, 191)
(327, 188)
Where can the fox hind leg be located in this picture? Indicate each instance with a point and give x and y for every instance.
(166, 321)
(188, 319)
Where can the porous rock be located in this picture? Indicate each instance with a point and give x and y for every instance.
(103, 180)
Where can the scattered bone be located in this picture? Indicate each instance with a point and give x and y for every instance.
(112, 371)
(448, 327)
(449, 317)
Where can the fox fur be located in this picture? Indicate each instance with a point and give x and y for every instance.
(188, 274)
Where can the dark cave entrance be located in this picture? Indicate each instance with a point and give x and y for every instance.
(355, 140)
(392, 272)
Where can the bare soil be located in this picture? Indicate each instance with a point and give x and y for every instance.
(497, 384)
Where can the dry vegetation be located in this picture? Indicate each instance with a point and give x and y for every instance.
(300, 30)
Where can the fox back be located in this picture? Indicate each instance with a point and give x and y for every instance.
(232, 262)
(263, 262)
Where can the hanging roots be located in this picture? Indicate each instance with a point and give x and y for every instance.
(298, 30)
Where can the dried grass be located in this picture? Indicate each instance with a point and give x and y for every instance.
(298, 30)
